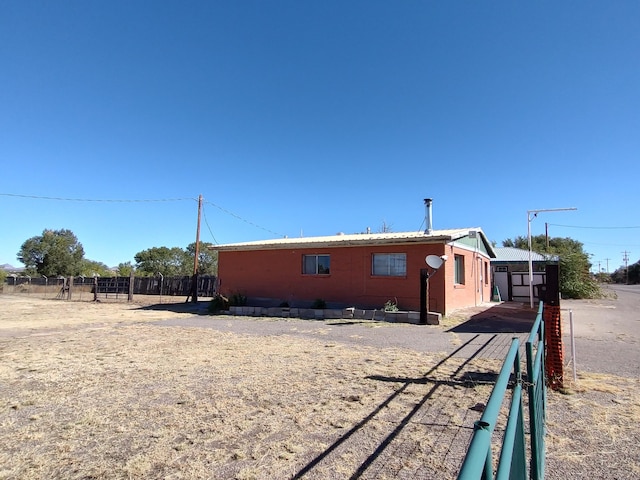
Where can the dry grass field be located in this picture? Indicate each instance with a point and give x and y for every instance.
(97, 391)
(592, 429)
(107, 391)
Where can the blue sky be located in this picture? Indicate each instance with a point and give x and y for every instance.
(312, 118)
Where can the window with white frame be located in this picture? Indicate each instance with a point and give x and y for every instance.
(459, 269)
(316, 264)
(389, 264)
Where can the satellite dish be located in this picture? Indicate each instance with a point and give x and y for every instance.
(434, 261)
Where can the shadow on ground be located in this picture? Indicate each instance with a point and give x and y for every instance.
(435, 383)
(503, 318)
(198, 308)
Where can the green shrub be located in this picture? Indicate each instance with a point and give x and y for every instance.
(218, 304)
(391, 306)
(237, 300)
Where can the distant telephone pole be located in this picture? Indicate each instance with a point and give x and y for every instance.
(607, 259)
(194, 292)
(625, 258)
(546, 237)
(197, 250)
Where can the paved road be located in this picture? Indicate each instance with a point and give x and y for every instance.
(607, 332)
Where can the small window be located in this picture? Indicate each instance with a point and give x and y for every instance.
(389, 264)
(316, 264)
(486, 273)
(459, 272)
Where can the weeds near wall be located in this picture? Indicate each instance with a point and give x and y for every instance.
(391, 306)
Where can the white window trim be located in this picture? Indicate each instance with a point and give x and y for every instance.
(389, 274)
(456, 274)
(316, 255)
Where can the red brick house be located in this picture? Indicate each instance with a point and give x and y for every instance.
(360, 270)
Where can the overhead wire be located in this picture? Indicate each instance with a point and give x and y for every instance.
(148, 200)
(243, 219)
(612, 244)
(590, 227)
(206, 222)
(40, 197)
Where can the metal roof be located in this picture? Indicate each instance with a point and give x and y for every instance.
(511, 254)
(355, 239)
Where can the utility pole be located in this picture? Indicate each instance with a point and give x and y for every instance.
(546, 236)
(607, 259)
(625, 258)
(531, 214)
(194, 293)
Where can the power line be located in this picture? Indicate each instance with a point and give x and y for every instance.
(39, 197)
(611, 244)
(99, 200)
(204, 214)
(595, 228)
(243, 219)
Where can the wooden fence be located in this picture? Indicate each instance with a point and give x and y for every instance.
(110, 287)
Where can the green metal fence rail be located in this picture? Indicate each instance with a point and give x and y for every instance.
(512, 464)
(479, 460)
(537, 393)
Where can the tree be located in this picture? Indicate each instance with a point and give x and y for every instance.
(90, 268)
(207, 259)
(125, 269)
(633, 273)
(629, 275)
(55, 252)
(169, 262)
(575, 279)
(385, 227)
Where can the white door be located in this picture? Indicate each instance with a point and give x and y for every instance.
(501, 281)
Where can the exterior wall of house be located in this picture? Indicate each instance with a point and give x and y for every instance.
(476, 288)
(276, 274)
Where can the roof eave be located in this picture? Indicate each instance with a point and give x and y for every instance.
(333, 243)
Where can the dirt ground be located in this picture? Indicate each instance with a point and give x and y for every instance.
(111, 390)
(102, 391)
(592, 430)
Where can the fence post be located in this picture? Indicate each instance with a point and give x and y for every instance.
(70, 288)
(573, 347)
(553, 329)
(537, 394)
(95, 288)
(131, 282)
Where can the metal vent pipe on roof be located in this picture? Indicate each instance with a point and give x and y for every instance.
(428, 215)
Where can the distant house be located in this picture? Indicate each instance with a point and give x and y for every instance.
(510, 270)
(361, 270)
